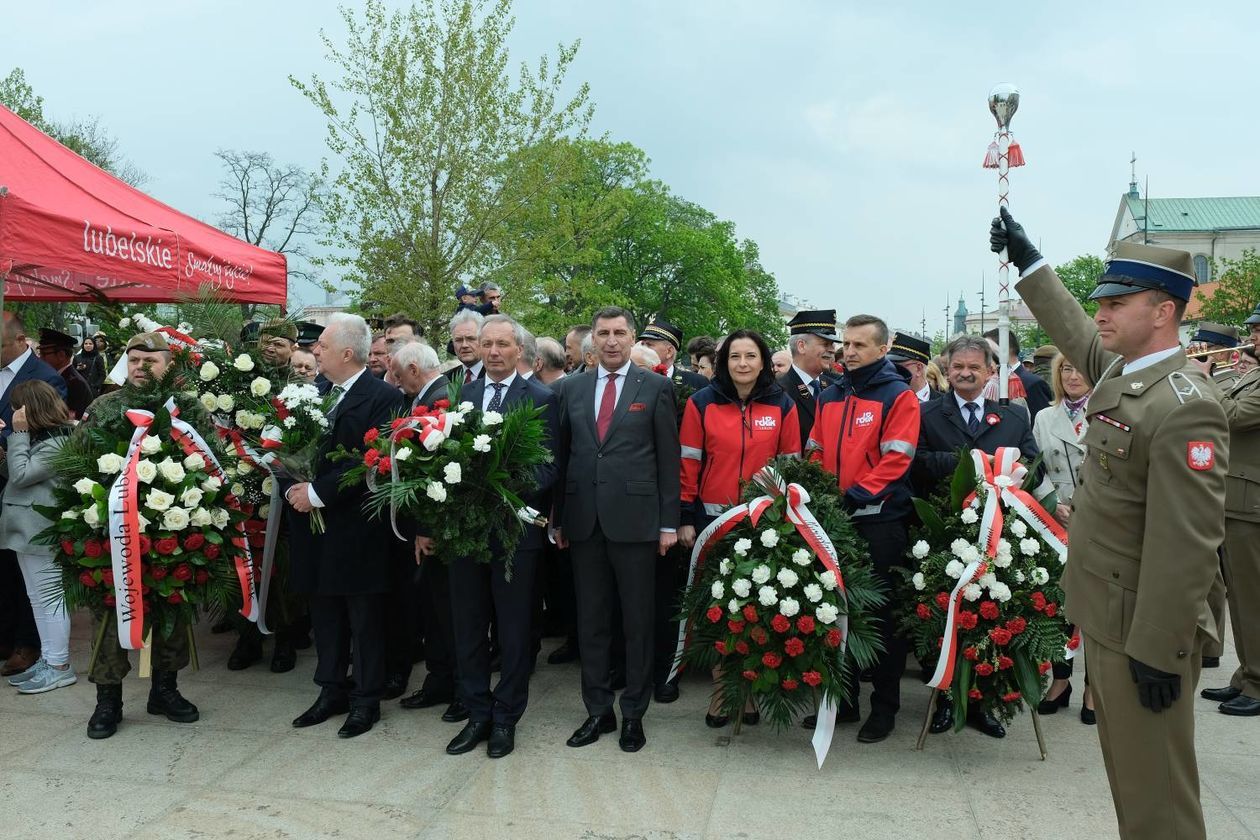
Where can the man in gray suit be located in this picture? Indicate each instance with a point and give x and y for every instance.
(619, 459)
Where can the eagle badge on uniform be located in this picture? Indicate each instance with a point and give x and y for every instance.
(1200, 454)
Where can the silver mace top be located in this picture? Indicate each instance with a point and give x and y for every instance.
(1003, 103)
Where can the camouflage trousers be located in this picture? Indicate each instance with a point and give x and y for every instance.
(111, 663)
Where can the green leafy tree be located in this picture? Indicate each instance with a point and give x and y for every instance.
(1079, 276)
(1237, 292)
(422, 116)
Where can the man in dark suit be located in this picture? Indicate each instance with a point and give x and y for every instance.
(56, 349)
(812, 335)
(19, 638)
(464, 327)
(416, 367)
(1038, 390)
(346, 569)
(964, 420)
(479, 590)
(620, 458)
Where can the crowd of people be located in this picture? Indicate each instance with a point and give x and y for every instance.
(652, 437)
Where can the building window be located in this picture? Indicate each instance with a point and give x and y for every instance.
(1202, 269)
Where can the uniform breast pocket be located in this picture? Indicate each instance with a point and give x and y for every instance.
(1103, 438)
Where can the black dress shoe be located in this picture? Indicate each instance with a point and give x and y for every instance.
(752, 718)
(589, 732)
(324, 708)
(877, 727)
(1211, 662)
(986, 723)
(1088, 717)
(1051, 707)
(248, 650)
(359, 720)
(1220, 695)
(473, 733)
(455, 712)
(809, 722)
(423, 699)
(395, 685)
(632, 737)
(666, 692)
(943, 719)
(567, 652)
(283, 657)
(1241, 706)
(502, 740)
(716, 721)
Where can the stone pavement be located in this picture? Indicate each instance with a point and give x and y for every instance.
(243, 772)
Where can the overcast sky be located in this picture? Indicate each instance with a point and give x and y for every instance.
(846, 140)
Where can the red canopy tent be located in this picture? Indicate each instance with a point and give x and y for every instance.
(69, 231)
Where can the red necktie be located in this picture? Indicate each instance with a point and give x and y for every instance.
(467, 375)
(606, 405)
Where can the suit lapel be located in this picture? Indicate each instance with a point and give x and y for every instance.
(629, 391)
(517, 392)
(950, 409)
(799, 389)
(354, 396)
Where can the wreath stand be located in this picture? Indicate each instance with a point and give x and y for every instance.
(931, 707)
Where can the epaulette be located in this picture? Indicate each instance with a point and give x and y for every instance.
(1183, 387)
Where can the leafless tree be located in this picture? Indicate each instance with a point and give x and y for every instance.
(271, 205)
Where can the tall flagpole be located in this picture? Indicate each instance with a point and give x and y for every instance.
(1004, 153)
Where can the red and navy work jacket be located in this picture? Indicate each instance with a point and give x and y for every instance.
(865, 432)
(725, 441)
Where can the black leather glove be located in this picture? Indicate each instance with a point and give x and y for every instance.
(1156, 689)
(1009, 234)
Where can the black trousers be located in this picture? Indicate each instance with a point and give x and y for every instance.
(350, 628)
(402, 609)
(887, 542)
(439, 634)
(607, 574)
(17, 622)
(556, 581)
(478, 591)
(671, 578)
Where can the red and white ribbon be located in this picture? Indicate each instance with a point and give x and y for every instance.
(1002, 474)
(271, 536)
(123, 508)
(191, 441)
(816, 538)
(943, 676)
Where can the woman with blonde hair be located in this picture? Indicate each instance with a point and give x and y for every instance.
(1058, 430)
(41, 424)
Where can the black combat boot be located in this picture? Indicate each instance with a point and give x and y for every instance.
(165, 699)
(108, 713)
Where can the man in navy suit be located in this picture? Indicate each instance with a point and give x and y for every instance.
(19, 639)
(480, 590)
(345, 570)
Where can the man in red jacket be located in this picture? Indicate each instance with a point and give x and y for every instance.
(865, 433)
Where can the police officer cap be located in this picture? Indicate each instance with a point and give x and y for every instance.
(308, 333)
(1134, 267)
(55, 338)
(153, 342)
(662, 330)
(1218, 334)
(907, 347)
(819, 322)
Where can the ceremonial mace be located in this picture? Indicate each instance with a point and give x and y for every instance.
(1003, 153)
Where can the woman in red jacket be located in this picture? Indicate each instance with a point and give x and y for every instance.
(730, 430)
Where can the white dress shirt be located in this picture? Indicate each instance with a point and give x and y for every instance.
(489, 390)
(601, 379)
(924, 394)
(977, 400)
(808, 380)
(1149, 359)
(345, 386)
(9, 372)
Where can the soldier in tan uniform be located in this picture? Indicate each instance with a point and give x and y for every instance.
(1147, 519)
(1241, 402)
